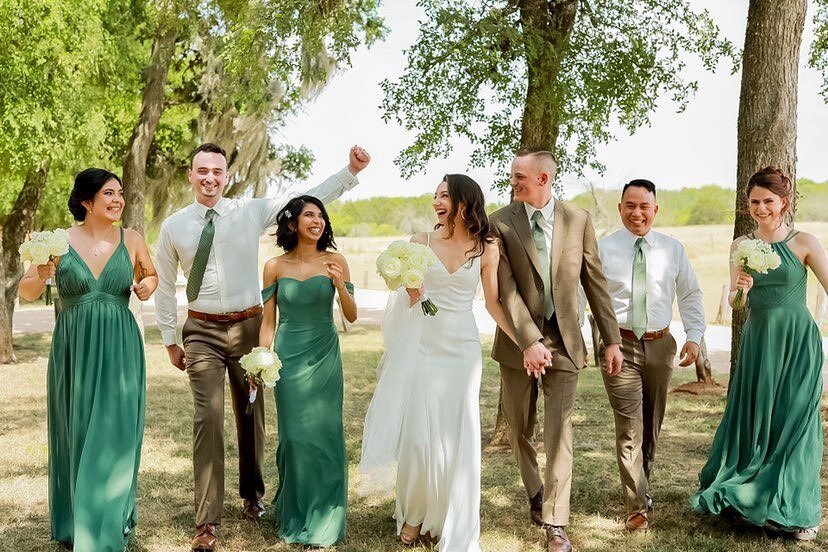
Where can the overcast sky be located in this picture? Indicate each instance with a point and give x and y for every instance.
(692, 148)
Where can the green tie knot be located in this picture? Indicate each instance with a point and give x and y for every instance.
(210, 214)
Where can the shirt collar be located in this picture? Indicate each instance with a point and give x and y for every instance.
(220, 208)
(546, 211)
(649, 237)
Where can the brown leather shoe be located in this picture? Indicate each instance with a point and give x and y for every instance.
(253, 509)
(536, 508)
(637, 522)
(557, 541)
(205, 539)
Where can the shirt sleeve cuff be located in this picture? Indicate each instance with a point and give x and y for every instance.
(346, 179)
(168, 337)
(695, 336)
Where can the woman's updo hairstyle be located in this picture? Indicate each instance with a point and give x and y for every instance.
(287, 232)
(88, 183)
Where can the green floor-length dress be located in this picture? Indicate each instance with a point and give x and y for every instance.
(313, 473)
(765, 459)
(96, 384)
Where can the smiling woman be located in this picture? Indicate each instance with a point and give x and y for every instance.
(96, 374)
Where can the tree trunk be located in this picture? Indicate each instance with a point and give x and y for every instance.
(15, 228)
(546, 27)
(767, 108)
(152, 105)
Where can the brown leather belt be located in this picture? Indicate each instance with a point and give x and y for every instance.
(226, 317)
(649, 336)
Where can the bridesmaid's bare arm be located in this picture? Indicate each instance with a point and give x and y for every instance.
(33, 282)
(491, 292)
(268, 327)
(146, 277)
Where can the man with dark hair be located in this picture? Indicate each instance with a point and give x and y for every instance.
(216, 242)
(646, 271)
(547, 248)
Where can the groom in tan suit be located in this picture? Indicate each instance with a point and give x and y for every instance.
(547, 248)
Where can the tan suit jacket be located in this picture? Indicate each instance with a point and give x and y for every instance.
(573, 259)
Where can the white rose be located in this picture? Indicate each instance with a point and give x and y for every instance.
(388, 266)
(393, 283)
(271, 375)
(419, 260)
(756, 260)
(39, 253)
(58, 243)
(412, 279)
(774, 261)
(398, 248)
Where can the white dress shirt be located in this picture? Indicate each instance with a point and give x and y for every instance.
(546, 221)
(231, 279)
(669, 277)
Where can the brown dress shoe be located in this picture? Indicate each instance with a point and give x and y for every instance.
(205, 539)
(536, 508)
(557, 541)
(637, 522)
(253, 509)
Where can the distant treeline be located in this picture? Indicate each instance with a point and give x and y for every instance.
(390, 216)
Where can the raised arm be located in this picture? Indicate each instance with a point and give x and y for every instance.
(146, 277)
(268, 328)
(491, 290)
(329, 190)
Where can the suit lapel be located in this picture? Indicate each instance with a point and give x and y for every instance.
(558, 234)
(520, 222)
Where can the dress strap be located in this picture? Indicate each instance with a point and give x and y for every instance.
(428, 239)
(751, 236)
(790, 235)
(122, 234)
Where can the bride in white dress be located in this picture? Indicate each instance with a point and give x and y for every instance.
(422, 430)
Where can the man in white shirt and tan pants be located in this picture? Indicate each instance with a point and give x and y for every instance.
(645, 271)
(216, 242)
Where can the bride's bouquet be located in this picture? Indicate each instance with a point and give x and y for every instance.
(754, 256)
(42, 247)
(261, 366)
(403, 264)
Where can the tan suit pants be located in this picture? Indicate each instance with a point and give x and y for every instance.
(520, 395)
(638, 395)
(213, 349)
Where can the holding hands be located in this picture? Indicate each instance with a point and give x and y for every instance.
(358, 159)
(536, 358)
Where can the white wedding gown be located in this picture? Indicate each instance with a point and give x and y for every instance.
(424, 419)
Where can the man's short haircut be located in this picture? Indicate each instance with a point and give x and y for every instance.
(640, 183)
(208, 148)
(542, 155)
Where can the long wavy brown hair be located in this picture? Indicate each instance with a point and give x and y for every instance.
(466, 193)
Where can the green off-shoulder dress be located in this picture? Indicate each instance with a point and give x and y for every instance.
(765, 459)
(312, 497)
(95, 405)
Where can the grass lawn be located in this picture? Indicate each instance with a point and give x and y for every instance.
(165, 489)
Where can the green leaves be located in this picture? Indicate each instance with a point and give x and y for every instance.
(509, 74)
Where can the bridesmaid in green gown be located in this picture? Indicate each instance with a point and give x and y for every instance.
(312, 496)
(96, 372)
(764, 464)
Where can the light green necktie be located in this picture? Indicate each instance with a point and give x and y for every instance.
(201, 256)
(639, 291)
(543, 256)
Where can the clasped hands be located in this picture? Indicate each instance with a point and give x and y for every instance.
(537, 358)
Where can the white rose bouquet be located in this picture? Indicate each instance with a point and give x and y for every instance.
(403, 264)
(754, 256)
(42, 247)
(261, 366)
